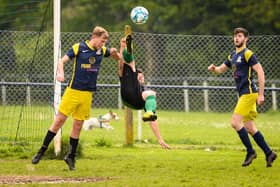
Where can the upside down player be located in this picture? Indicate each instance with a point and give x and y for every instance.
(132, 90)
(242, 61)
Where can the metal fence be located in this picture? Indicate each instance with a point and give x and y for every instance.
(175, 66)
(26, 66)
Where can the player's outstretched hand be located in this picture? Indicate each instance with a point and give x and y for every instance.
(60, 77)
(114, 54)
(211, 68)
(164, 145)
(260, 100)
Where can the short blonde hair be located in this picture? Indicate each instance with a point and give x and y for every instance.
(98, 31)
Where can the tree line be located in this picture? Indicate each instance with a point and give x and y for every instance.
(215, 17)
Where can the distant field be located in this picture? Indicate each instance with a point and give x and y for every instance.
(205, 152)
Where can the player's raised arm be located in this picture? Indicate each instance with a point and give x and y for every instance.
(60, 68)
(217, 69)
(155, 129)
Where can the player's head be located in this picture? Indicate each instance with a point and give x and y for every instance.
(240, 37)
(100, 36)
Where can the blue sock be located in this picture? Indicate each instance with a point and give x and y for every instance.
(243, 134)
(259, 139)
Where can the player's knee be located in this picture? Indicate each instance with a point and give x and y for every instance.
(153, 92)
(235, 124)
(236, 121)
(57, 124)
(77, 126)
(55, 127)
(76, 130)
(149, 92)
(251, 129)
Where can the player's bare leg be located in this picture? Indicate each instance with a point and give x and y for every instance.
(58, 122)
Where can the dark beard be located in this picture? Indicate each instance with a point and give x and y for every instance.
(240, 45)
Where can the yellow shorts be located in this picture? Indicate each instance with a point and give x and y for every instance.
(77, 103)
(247, 106)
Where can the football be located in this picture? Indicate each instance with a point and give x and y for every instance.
(139, 15)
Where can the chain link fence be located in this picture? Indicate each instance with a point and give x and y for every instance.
(175, 66)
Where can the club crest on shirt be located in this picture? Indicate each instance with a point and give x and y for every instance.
(238, 59)
(91, 60)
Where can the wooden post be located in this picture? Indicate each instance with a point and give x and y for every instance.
(206, 101)
(28, 95)
(4, 95)
(139, 127)
(128, 126)
(274, 98)
(119, 98)
(186, 97)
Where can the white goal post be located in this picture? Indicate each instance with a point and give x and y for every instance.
(56, 57)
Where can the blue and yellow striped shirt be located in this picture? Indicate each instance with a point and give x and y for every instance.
(241, 64)
(86, 64)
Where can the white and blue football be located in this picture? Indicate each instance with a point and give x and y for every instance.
(139, 15)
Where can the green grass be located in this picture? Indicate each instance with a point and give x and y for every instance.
(206, 151)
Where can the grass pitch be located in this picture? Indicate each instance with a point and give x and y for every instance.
(206, 151)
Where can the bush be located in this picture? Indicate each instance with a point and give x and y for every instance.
(102, 142)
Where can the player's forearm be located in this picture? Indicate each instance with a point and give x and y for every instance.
(218, 70)
(60, 67)
(261, 80)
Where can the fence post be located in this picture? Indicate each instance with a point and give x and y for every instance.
(274, 98)
(4, 94)
(119, 98)
(28, 95)
(139, 127)
(186, 97)
(128, 126)
(206, 101)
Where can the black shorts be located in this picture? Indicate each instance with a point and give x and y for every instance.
(134, 101)
(131, 89)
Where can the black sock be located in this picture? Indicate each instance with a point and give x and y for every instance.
(48, 138)
(73, 147)
(243, 134)
(259, 139)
